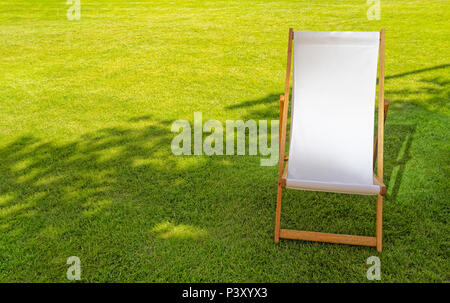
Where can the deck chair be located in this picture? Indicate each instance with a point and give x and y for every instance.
(331, 145)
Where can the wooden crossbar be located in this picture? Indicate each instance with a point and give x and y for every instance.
(327, 237)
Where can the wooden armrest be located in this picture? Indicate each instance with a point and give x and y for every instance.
(377, 181)
(285, 171)
(284, 176)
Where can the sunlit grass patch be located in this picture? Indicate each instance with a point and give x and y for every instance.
(168, 230)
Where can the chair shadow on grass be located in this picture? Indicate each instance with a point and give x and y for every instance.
(267, 107)
(399, 138)
(269, 99)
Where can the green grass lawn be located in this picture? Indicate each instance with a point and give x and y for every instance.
(86, 167)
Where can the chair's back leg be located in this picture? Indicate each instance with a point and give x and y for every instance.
(278, 214)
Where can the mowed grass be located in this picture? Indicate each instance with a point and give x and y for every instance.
(86, 167)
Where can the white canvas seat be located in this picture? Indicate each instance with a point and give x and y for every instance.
(332, 114)
(332, 123)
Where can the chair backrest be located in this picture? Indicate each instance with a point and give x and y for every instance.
(333, 105)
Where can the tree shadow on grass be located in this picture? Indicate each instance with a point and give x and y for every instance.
(91, 193)
(417, 71)
(115, 195)
(97, 166)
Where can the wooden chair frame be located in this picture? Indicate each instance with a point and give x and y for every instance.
(383, 105)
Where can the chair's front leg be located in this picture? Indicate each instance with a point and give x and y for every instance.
(278, 214)
(379, 232)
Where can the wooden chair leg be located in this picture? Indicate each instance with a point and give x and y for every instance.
(375, 145)
(278, 214)
(379, 234)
